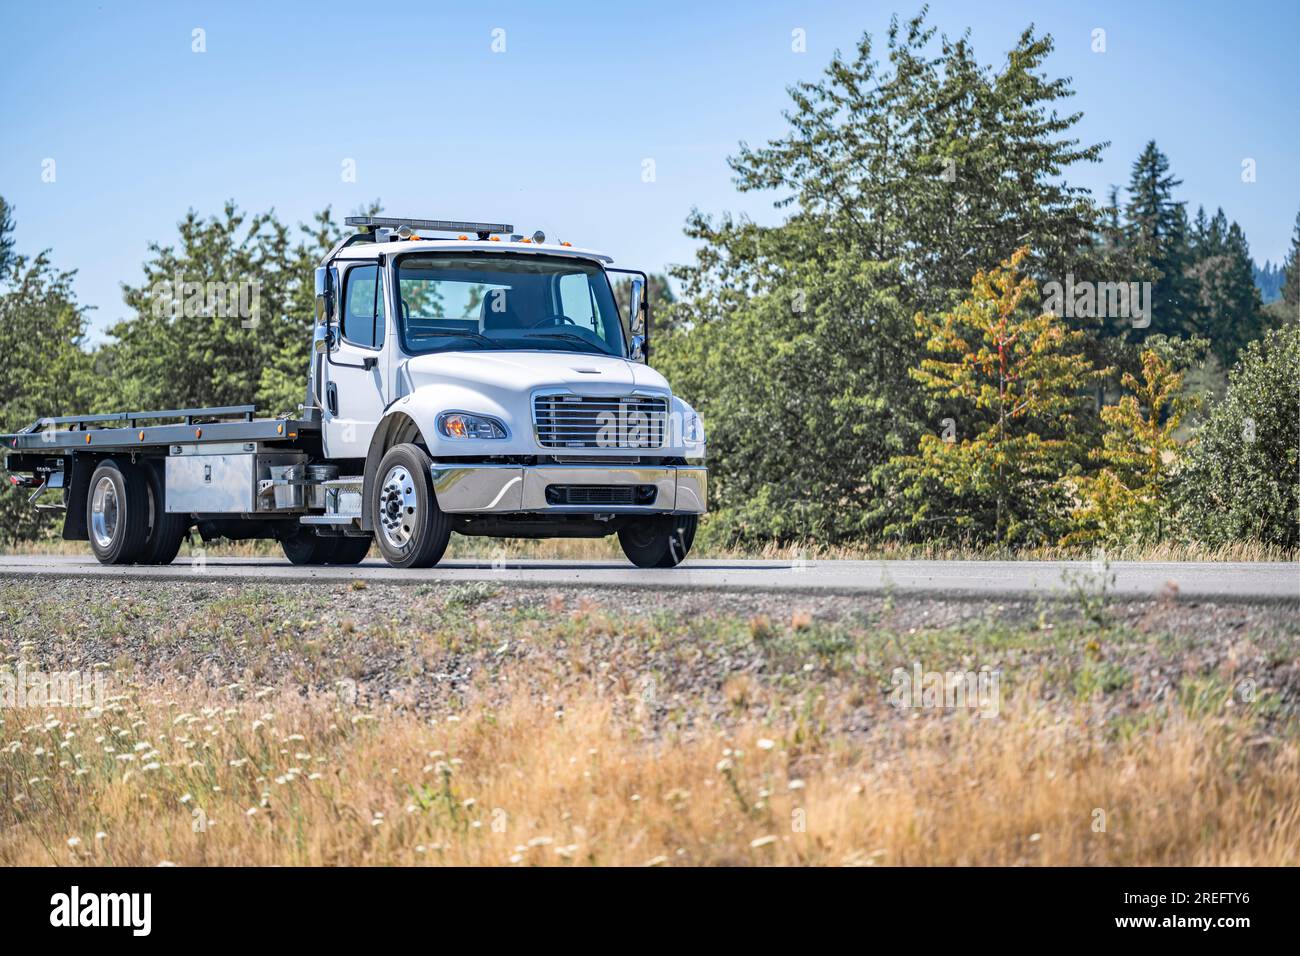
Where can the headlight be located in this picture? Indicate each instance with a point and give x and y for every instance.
(693, 433)
(458, 425)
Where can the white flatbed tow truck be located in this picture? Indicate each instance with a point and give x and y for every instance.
(462, 378)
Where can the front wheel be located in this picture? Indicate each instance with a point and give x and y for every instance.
(410, 529)
(661, 541)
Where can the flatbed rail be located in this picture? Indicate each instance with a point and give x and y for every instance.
(65, 433)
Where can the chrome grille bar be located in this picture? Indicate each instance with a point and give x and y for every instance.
(590, 421)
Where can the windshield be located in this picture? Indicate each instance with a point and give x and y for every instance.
(456, 302)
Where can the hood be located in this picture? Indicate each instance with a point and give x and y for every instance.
(524, 371)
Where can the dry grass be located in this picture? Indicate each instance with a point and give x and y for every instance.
(193, 775)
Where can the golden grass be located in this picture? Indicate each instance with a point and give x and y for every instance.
(194, 775)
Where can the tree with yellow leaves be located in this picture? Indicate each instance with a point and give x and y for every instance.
(1127, 499)
(1015, 379)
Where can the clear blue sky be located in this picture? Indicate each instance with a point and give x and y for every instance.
(552, 133)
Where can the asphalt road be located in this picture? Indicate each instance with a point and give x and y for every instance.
(981, 579)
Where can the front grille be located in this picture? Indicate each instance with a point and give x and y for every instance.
(601, 494)
(588, 421)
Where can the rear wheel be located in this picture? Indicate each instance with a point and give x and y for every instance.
(117, 512)
(350, 550)
(304, 547)
(410, 529)
(660, 541)
(166, 531)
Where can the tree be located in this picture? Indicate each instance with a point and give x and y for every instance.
(1128, 499)
(1242, 480)
(1229, 307)
(6, 236)
(898, 177)
(1013, 378)
(223, 318)
(1156, 239)
(1291, 271)
(45, 369)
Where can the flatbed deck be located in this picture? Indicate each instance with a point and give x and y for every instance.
(79, 433)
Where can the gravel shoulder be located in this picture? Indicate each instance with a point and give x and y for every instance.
(693, 660)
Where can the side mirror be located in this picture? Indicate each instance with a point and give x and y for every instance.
(637, 306)
(639, 317)
(323, 340)
(324, 296)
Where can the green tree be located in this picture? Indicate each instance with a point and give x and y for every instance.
(1230, 311)
(1013, 377)
(223, 317)
(899, 176)
(6, 236)
(1242, 480)
(1157, 242)
(1291, 271)
(45, 371)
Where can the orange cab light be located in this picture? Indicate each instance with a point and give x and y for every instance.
(525, 239)
(198, 433)
(566, 243)
(279, 429)
(87, 439)
(142, 434)
(495, 238)
(462, 237)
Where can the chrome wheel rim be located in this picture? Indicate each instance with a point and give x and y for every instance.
(104, 512)
(398, 507)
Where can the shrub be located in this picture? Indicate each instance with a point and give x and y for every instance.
(1242, 481)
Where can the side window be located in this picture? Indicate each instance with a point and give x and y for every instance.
(575, 301)
(363, 307)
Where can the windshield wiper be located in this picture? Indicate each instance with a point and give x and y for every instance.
(569, 337)
(476, 336)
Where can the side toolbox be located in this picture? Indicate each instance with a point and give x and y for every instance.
(224, 483)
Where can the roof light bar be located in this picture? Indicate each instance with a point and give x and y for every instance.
(370, 223)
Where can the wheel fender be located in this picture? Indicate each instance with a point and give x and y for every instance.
(394, 428)
(78, 468)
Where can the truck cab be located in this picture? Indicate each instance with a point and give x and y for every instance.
(502, 367)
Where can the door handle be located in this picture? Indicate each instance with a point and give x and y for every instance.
(332, 398)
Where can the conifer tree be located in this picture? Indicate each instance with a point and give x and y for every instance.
(1014, 377)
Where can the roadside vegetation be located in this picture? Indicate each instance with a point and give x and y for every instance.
(944, 345)
(372, 724)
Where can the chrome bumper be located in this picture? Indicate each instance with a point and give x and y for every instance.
(497, 489)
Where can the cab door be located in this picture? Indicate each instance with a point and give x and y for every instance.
(355, 374)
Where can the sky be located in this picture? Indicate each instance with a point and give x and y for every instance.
(544, 115)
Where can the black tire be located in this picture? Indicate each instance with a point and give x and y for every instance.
(661, 541)
(410, 529)
(304, 547)
(350, 550)
(166, 531)
(117, 512)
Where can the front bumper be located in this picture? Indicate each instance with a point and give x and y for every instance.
(505, 489)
